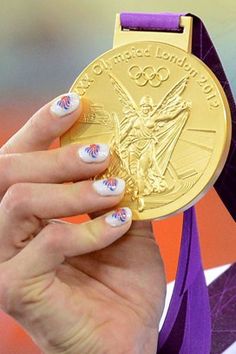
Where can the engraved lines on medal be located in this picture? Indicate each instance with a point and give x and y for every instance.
(145, 138)
(95, 115)
(189, 160)
(200, 145)
(148, 75)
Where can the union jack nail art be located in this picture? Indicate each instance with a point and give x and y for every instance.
(65, 104)
(110, 186)
(111, 183)
(119, 217)
(94, 152)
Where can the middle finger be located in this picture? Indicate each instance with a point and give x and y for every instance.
(71, 163)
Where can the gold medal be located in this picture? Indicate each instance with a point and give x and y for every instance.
(167, 121)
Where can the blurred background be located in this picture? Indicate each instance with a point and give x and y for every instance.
(43, 48)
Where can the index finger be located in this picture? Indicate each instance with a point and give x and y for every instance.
(51, 121)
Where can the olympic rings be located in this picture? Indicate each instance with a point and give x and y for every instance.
(148, 74)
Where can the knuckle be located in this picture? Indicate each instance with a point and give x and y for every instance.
(16, 198)
(35, 124)
(54, 236)
(38, 123)
(5, 167)
(92, 234)
(62, 160)
(64, 163)
(7, 164)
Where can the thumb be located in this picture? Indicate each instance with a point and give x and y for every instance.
(142, 229)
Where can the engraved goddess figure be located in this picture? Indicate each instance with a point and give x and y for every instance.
(145, 138)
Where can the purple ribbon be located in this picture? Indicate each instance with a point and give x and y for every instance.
(187, 327)
(150, 22)
(222, 294)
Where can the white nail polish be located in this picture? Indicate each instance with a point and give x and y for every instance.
(94, 152)
(65, 104)
(119, 217)
(109, 186)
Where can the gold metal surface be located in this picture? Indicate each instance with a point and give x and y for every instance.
(166, 118)
(181, 40)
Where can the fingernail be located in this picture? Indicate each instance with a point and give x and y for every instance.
(109, 186)
(65, 104)
(119, 217)
(94, 152)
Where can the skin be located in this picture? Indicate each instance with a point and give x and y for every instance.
(76, 288)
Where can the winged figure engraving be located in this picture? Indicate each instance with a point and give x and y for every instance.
(145, 138)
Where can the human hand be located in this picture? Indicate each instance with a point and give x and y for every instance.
(76, 289)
